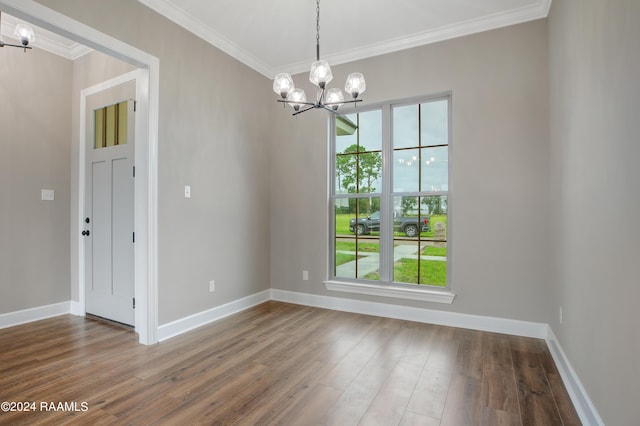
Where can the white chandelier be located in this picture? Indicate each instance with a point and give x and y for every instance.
(320, 75)
(21, 32)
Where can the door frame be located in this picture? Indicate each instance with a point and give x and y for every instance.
(140, 78)
(146, 163)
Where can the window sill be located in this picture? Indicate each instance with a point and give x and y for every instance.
(395, 291)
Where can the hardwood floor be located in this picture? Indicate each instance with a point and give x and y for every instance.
(283, 364)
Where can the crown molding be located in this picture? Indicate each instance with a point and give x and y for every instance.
(199, 29)
(448, 32)
(179, 16)
(46, 40)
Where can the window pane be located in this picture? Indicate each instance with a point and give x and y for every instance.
(405, 126)
(123, 127)
(343, 142)
(358, 173)
(434, 206)
(370, 172)
(420, 242)
(433, 260)
(357, 242)
(410, 217)
(110, 125)
(98, 126)
(433, 272)
(405, 170)
(435, 169)
(405, 260)
(346, 173)
(370, 128)
(434, 118)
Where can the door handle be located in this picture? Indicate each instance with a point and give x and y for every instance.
(86, 233)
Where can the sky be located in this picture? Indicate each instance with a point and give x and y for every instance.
(410, 152)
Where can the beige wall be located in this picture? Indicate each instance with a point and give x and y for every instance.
(595, 186)
(500, 170)
(214, 136)
(35, 143)
(535, 224)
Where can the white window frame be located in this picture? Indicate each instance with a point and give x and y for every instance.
(385, 287)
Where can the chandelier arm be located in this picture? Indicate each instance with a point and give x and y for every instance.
(343, 102)
(304, 110)
(335, 111)
(15, 45)
(284, 101)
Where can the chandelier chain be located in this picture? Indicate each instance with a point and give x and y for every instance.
(317, 30)
(318, 21)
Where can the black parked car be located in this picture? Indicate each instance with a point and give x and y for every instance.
(411, 226)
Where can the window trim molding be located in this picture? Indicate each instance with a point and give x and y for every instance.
(397, 291)
(385, 288)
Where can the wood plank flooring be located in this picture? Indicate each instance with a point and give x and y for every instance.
(284, 364)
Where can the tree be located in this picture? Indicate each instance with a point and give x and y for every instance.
(357, 171)
(436, 205)
(409, 204)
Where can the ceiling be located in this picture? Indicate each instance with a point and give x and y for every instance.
(280, 35)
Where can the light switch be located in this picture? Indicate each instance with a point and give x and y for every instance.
(47, 194)
(187, 191)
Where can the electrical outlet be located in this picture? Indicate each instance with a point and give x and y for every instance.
(305, 275)
(47, 195)
(212, 286)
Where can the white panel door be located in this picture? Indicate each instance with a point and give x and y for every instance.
(109, 204)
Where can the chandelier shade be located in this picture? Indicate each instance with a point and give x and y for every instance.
(297, 98)
(320, 75)
(355, 84)
(283, 84)
(23, 33)
(334, 98)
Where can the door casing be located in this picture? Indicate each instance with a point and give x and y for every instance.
(109, 182)
(140, 77)
(146, 160)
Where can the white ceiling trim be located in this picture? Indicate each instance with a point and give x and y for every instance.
(46, 41)
(198, 28)
(448, 32)
(190, 23)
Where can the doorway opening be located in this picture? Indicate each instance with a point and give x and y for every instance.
(146, 161)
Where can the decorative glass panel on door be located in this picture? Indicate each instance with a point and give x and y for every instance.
(110, 125)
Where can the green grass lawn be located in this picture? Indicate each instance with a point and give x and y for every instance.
(432, 272)
(435, 251)
(362, 247)
(342, 258)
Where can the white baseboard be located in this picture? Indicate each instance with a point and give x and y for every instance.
(77, 309)
(581, 401)
(34, 314)
(452, 319)
(182, 325)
